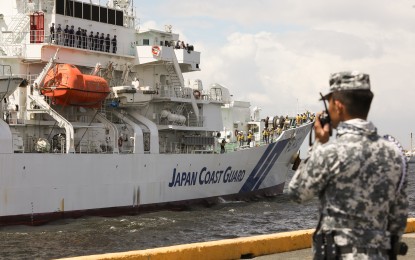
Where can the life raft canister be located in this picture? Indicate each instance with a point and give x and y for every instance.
(155, 50)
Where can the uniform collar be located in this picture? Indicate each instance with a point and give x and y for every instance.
(356, 126)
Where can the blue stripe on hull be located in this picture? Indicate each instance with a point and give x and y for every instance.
(264, 166)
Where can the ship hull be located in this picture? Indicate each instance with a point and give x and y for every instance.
(36, 188)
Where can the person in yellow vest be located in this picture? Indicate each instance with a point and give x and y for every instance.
(299, 119)
(241, 138)
(286, 123)
(222, 146)
(265, 136)
(249, 137)
(304, 118)
(271, 135)
(312, 116)
(279, 131)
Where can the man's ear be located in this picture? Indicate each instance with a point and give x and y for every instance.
(339, 107)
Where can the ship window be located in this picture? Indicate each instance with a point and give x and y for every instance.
(119, 18)
(78, 9)
(60, 7)
(95, 13)
(103, 14)
(111, 16)
(69, 8)
(87, 11)
(146, 42)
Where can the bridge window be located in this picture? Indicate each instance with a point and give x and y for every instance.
(103, 14)
(60, 7)
(87, 11)
(78, 9)
(95, 13)
(111, 16)
(119, 18)
(69, 8)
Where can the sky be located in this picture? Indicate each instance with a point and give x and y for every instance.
(279, 54)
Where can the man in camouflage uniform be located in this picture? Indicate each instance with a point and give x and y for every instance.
(360, 177)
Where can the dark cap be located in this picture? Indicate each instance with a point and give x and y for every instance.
(348, 80)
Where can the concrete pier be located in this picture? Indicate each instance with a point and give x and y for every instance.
(306, 254)
(287, 245)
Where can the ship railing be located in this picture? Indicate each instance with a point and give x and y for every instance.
(17, 46)
(6, 70)
(203, 151)
(12, 119)
(14, 50)
(170, 147)
(170, 91)
(178, 148)
(79, 42)
(29, 144)
(92, 146)
(86, 146)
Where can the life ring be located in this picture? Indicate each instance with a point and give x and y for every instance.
(120, 141)
(155, 50)
(196, 93)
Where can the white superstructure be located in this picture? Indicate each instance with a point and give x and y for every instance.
(152, 142)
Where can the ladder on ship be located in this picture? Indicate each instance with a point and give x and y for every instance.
(176, 81)
(17, 30)
(175, 73)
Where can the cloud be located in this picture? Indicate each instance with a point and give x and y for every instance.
(279, 54)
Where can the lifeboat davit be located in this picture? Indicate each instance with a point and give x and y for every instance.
(67, 86)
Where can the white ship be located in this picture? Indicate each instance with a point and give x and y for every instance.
(97, 126)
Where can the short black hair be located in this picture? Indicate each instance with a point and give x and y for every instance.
(357, 102)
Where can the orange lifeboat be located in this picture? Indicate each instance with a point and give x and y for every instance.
(67, 86)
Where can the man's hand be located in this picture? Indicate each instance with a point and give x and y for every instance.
(322, 133)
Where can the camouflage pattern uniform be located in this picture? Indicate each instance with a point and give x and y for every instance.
(356, 178)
